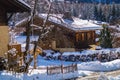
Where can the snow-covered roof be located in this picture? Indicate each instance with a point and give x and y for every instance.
(115, 27)
(76, 25)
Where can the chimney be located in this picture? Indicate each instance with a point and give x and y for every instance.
(67, 15)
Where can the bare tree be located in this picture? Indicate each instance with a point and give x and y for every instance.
(43, 32)
(28, 30)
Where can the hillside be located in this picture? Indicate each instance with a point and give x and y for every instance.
(96, 1)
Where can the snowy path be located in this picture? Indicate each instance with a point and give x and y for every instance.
(95, 76)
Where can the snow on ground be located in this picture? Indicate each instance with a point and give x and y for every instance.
(41, 75)
(99, 66)
(84, 68)
(42, 62)
(114, 78)
(87, 52)
(89, 66)
(22, 39)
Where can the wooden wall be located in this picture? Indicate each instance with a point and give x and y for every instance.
(4, 36)
(3, 16)
(83, 39)
(4, 39)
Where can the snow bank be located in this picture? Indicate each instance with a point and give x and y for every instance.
(98, 66)
(56, 54)
(41, 75)
(114, 78)
(71, 53)
(48, 51)
(87, 52)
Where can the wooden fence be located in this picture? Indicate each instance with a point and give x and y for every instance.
(61, 69)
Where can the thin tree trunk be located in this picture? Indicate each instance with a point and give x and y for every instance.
(28, 30)
(40, 37)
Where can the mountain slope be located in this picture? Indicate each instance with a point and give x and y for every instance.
(96, 1)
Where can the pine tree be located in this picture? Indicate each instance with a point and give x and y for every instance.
(118, 11)
(95, 13)
(103, 17)
(113, 11)
(105, 37)
(100, 16)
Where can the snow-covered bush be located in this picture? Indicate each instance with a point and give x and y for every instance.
(13, 52)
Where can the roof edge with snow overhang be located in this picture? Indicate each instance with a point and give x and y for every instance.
(78, 25)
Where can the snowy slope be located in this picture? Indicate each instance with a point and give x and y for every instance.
(98, 66)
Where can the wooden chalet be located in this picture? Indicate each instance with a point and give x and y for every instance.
(8, 6)
(69, 33)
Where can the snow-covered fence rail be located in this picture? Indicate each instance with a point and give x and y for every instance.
(54, 70)
(61, 69)
(71, 68)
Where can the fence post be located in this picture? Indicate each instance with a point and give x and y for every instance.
(73, 67)
(76, 67)
(61, 68)
(47, 70)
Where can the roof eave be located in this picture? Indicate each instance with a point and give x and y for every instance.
(26, 8)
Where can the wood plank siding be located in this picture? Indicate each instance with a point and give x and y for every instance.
(83, 39)
(3, 16)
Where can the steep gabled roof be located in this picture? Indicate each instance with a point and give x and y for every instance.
(77, 25)
(15, 6)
